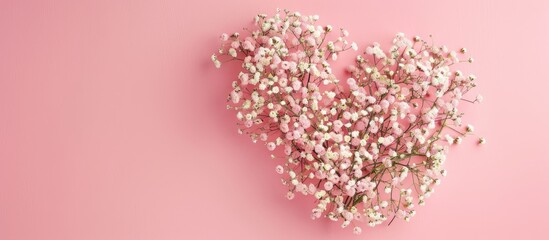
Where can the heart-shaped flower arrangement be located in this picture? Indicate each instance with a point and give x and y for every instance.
(368, 149)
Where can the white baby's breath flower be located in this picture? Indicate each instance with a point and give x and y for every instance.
(354, 46)
(232, 52)
(479, 98)
(469, 128)
(216, 62)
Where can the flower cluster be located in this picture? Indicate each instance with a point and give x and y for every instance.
(370, 148)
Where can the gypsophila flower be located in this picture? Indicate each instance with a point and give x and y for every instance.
(354, 46)
(216, 62)
(290, 195)
(479, 98)
(469, 128)
(279, 169)
(368, 147)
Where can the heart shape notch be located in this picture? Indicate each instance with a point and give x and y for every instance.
(370, 148)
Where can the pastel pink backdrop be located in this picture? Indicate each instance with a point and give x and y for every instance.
(113, 122)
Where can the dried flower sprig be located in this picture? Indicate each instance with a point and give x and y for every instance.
(368, 149)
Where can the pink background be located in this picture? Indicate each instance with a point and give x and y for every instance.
(113, 122)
